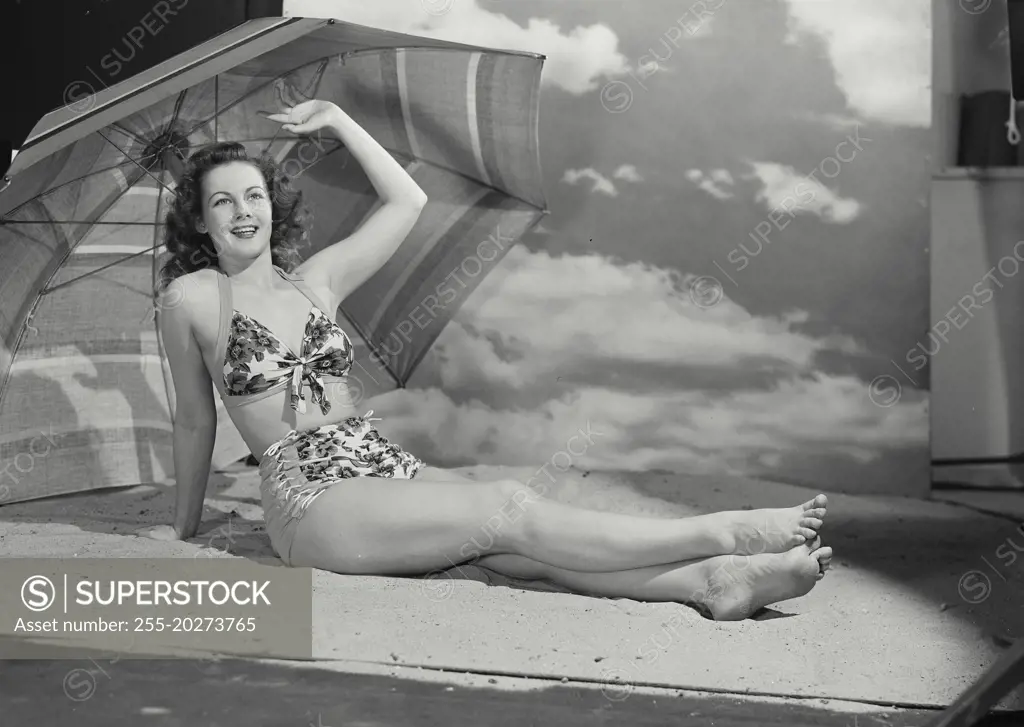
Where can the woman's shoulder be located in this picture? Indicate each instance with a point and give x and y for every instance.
(191, 294)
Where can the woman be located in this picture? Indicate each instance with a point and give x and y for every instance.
(338, 496)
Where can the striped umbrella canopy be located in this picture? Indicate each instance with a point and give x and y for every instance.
(86, 399)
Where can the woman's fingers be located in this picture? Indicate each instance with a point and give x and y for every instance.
(295, 119)
(288, 113)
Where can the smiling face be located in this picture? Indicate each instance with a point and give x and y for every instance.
(236, 210)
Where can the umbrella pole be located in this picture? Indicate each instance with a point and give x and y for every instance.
(164, 366)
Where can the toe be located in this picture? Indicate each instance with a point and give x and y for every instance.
(818, 512)
(824, 557)
(807, 534)
(813, 544)
(810, 522)
(818, 501)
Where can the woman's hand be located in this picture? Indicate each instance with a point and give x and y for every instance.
(159, 532)
(308, 116)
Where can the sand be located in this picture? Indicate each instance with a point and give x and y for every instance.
(904, 618)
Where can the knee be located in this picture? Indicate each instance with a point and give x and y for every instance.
(510, 517)
(518, 493)
(516, 499)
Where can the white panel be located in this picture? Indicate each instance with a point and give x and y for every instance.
(977, 371)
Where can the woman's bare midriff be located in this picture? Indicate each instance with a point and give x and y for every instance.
(263, 422)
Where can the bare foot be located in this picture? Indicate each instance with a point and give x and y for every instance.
(769, 530)
(740, 585)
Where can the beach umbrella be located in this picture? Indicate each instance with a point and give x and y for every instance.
(86, 400)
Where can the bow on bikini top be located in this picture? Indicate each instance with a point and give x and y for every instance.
(257, 363)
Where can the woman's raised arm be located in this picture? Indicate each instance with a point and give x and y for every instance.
(348, 263)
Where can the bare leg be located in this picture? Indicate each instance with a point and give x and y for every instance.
(738, 531)
(384, 526)
(406, 527)
(729, 588)
(741, 532)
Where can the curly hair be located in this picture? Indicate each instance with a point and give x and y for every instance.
(190, 250)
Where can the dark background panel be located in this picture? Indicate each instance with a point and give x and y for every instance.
(1015, 9)
(50, 46)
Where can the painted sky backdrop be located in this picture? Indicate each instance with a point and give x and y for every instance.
(671, 135)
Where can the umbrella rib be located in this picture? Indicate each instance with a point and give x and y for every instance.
(101, 269)
(272, 140)
(5, 221)
(31, 311)
(317, 78)
(128, 132)
(178, 103)
(115, 200)
(93, 224)
(176, 114)
(324, 63)
(219, 111)
(133, 161)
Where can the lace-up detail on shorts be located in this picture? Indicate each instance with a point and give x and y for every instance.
(299, 467)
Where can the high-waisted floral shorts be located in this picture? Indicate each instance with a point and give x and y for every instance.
(299, 467)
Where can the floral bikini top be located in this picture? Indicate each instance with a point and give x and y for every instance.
(257, 363)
